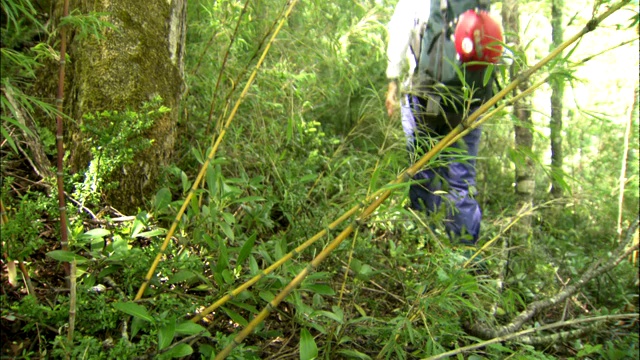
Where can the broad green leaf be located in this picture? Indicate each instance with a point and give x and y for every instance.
(156, 232)
(308, 347)
(333, 316)
(166, 334)
(308, 178)
(227, 230)
(487, 75)
(180, 350)
(66, 256)
(223, 258)
(266, 295)
(136, 325)
(135, 310)
(97, 233)
(190, 328)
(162, 199)
(197, 154)
(245, 251)
(180, 276)
(320, 289)
(248, 199)
(186, 184)
(237, 318)
(353, 354)
(212, 180)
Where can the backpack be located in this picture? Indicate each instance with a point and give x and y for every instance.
(437, 79)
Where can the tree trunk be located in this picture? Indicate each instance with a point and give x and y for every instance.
(140, 58)
(557, 88)
(525, 180)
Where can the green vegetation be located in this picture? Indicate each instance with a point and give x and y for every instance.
(309, 141)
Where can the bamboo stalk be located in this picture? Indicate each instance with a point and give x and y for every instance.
(64, 243)
(72, 303)
(410, 172)
(623, 166)
(27, 280)
(224, 63)
(210, 157)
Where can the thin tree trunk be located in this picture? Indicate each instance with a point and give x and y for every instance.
(557, 88)
(525, 180)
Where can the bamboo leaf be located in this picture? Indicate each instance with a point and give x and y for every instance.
(156, 232)
(308, 347)
(320, 289)
(166, 334)
(96, 233)
(353, 354)
(180, 276)
(245, 251)
(66, 256)
(226, 229)
(162, 199)
(180, 350)
(237, 318)
(487, 75)
(135, 310)
(190, 328)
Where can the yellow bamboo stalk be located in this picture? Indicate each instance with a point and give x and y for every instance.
(408, 173)
(210, 157)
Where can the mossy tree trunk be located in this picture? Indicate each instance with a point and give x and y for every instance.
(137, 60)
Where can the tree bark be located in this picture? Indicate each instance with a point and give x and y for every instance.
(557, 94)
(142, 57)
(525, 180)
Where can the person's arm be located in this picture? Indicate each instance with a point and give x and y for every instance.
(399, 30)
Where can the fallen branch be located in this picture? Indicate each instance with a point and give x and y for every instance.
(484, 331)
(529, 331)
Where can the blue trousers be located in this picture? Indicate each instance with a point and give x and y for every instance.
(452, 185)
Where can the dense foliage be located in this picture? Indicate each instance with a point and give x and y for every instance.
(309, 141)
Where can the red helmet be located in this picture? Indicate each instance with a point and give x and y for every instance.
(478, 37)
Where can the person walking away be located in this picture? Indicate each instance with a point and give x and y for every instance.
(422, 36)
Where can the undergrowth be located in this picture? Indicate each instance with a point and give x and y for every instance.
(301, 155)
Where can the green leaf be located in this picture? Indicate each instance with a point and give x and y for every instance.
(247, 199)
(162, 199)
(487, 75)
(186, 184)
(223, 258)
(227, 230)
(308, 347)
(212, 180)
(319, 289)
(134, 310)
(180, 276)
(245, 251)
(66, 256)
(97, 233)
(308, 178)
(330, 315)
(353, 354)
(266, 295)
(136, 325)
(166, 334)
(237, 318)
(190, 328)
(156, 232)
(180, 350)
